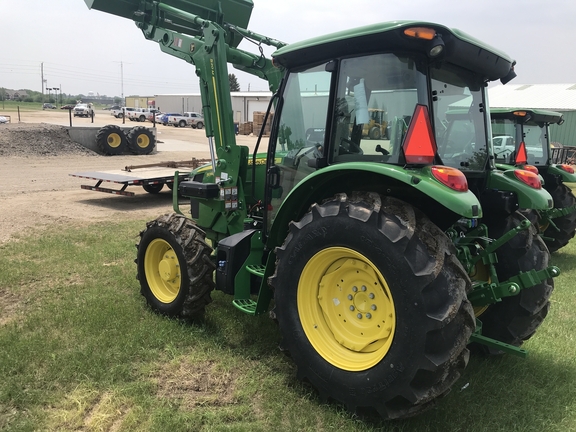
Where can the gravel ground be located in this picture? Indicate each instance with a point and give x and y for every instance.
(34, 140)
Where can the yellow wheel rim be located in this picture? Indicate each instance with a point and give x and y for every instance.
(143, 141)
(346, 309)
(162, 270)
(114, 140)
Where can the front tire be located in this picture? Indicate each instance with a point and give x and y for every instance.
(378, 317)
(174, 267)
(515, 319)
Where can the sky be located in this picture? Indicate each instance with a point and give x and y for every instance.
(81, 50)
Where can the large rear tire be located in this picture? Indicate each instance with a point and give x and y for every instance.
(515, 319)
(141, 140)
(554, 239)
(371, 303)
(174, 267)
(111, 140)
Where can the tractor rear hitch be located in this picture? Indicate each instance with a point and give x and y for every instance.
(486, 293)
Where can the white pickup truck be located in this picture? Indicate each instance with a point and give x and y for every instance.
(119, 112)
(83, 110)
(193, 119)
(140, 114)
(503, 146)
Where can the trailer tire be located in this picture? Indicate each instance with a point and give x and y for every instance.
(174, 267)
(153, 188)
(141, 140)
(111, 140)
(372, 305)
(515, 319)
(563, 198)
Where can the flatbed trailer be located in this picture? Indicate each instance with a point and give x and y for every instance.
(152, 177)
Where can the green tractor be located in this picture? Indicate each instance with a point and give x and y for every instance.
(523, 139)
(362, 250)
(507, 194)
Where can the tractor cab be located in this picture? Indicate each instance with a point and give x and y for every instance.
(381, 95)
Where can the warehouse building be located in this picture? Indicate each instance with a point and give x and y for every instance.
(553, 97)
(244, 104)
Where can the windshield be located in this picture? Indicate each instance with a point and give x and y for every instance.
(536, 140)
(459, 118)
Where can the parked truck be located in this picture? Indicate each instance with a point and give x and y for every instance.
(140, 114)
(375, 252)
(192, 119)
(83, 110)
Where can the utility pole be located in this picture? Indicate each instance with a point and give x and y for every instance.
(121, 81)
(43, 81)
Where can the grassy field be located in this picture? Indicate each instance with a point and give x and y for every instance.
(80, 350)
(13, 106)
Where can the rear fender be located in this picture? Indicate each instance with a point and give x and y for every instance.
(416, 186)
(565, 176)
(528, 197)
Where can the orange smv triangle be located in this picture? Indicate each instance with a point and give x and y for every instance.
(420, 146)
(521, 155)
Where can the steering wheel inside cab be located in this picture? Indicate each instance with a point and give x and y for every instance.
(347, 146)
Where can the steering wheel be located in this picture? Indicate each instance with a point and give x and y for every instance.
(349, 147)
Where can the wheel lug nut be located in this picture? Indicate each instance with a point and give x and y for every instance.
(359, 316)
(371, 295)
(368, 315)
(363, 287)
(350, 297)
(351, 308)
(354, 288)
(373, 307)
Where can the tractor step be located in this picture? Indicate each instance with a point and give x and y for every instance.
(245, 305)
(257, 270)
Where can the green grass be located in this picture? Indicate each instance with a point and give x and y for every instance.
(10, 106)
(80, 350)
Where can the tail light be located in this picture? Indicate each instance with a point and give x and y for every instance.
(531, 168)
(566, 168)
(528, 178)
(451, 177)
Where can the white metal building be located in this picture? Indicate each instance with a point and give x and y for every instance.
(553, 97)
(244, 104)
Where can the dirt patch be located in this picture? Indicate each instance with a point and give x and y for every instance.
(193, 384)
(9, 306)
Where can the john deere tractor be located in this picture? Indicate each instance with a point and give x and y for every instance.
(527, 137)
(362, 250)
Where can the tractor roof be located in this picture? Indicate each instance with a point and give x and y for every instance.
(461, 48)
(536, 115)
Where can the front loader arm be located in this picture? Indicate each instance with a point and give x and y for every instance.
(208, 44)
